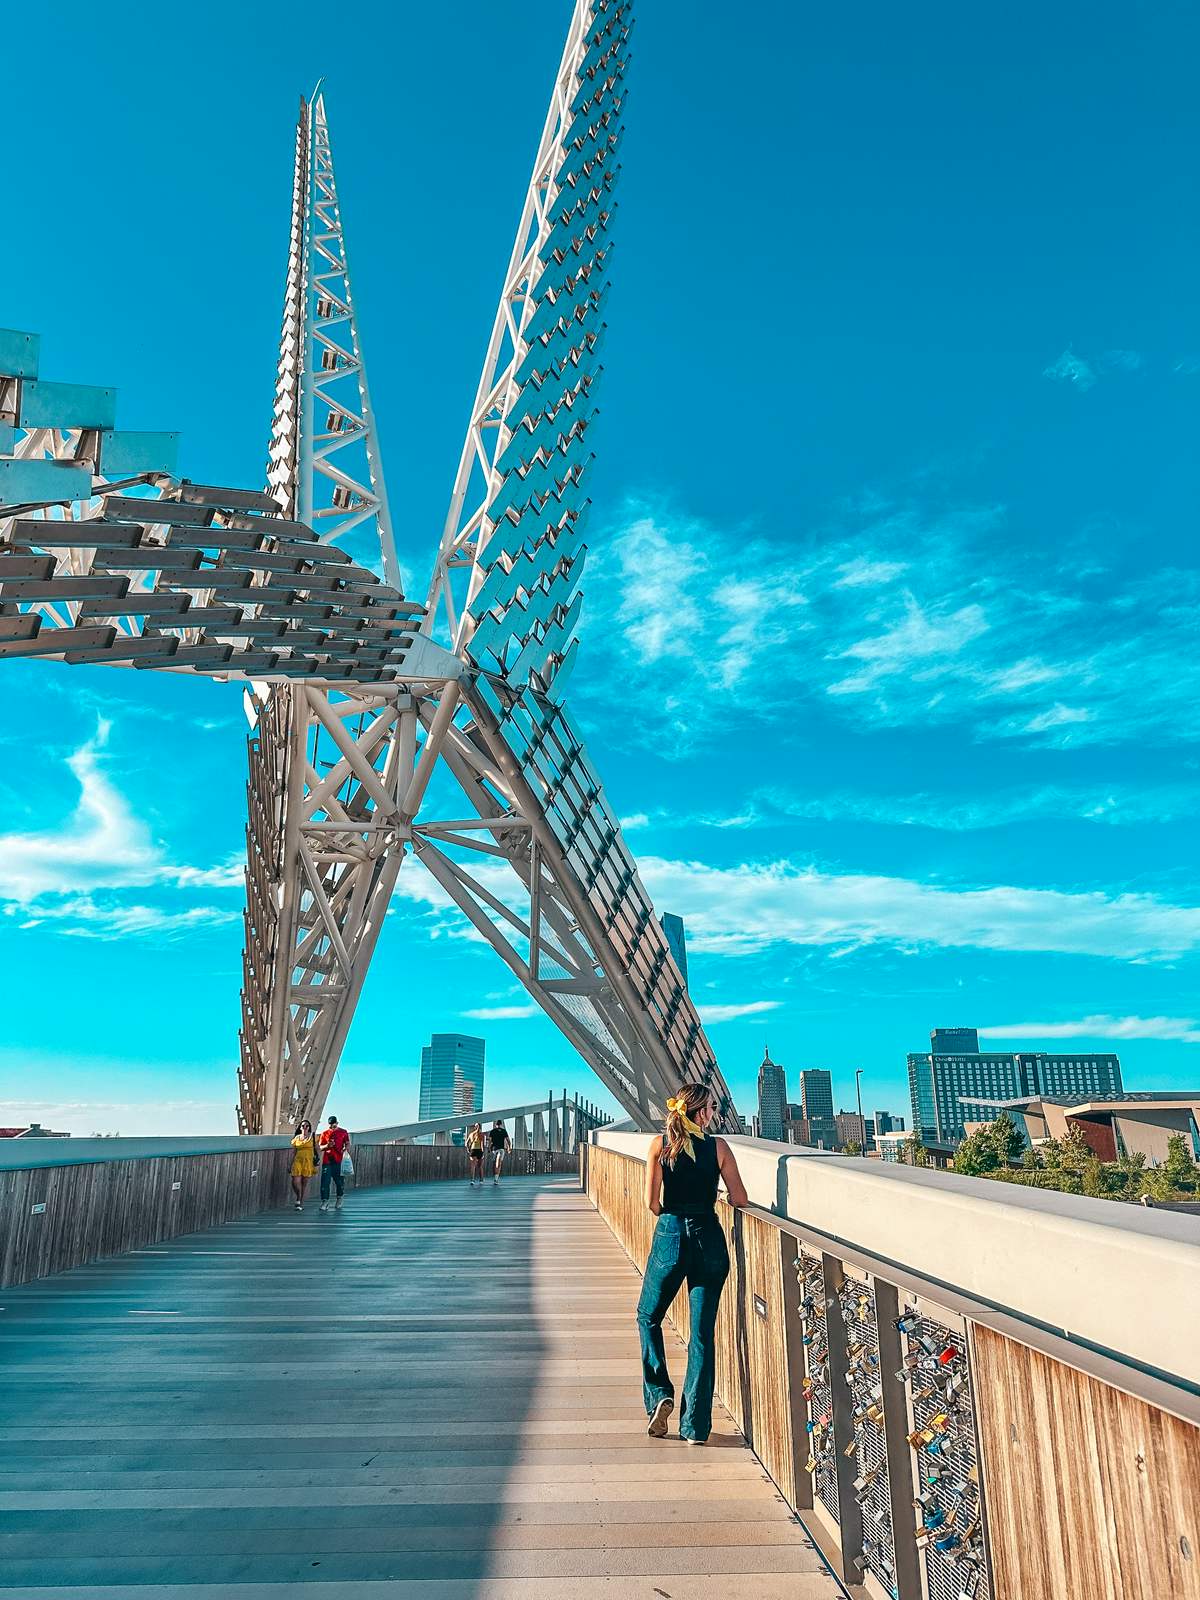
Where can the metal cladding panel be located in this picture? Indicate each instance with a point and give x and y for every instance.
(865, 1380)
(937, 1370)
(162, 563)
(18, 353)
(525, 609)
(554, 399)
(124, 453)
(67, 405)
(27, 482)
(818, 1392)
(554, 763)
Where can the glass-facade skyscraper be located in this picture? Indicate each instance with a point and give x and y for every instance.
(451, 1075)
(816, 1098)
(772, 1099)
(949, 1090)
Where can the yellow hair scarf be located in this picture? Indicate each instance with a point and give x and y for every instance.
(693, 1130)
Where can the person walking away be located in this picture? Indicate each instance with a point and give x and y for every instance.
(304, 1161)
(500, 1142)
(475, 1153)
(683, 1166)
(334, 1142)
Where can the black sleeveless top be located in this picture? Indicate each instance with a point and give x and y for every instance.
(689, 1188)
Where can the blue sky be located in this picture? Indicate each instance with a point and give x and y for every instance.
(891, 646)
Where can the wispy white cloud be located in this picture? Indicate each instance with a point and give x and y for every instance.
(1084, 373)
(1184, 1030)
(859, 573)
(1072, 369)
(100, 843)
(963, 630)
(916, 639)
(90, 917)
(68, 876)
(503, 1013)
(1117, 804)
(729, 1013)
(742, 910)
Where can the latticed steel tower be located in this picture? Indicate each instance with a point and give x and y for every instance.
(358, 697)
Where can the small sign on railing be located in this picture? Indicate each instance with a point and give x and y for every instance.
(760, 1306)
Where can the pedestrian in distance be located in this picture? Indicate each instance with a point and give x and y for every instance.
(683, 1166)
(334, 1143)
(500, 1142)
(304, 1160)
(475, 1153)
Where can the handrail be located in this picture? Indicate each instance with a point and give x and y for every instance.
(1119, 1281)
(32, 1151)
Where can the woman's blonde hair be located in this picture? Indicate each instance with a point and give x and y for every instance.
(687, 1104)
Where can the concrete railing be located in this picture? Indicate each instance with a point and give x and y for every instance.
(963, 1389)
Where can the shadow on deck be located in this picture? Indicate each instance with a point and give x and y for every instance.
(433, 1393)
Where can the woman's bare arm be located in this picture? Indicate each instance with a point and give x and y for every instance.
(728, 1167)
(654, 1176)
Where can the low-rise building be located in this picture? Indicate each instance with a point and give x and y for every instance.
(851, 1129)
(1140, 1122)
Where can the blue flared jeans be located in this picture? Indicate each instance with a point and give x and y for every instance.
(691, 1249)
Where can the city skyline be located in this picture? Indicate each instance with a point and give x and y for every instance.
(953, 617)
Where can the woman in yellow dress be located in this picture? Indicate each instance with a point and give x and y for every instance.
(304, 1161)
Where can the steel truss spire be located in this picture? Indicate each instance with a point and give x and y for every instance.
(323, 465)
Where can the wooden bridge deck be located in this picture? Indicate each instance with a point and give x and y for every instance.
(433, 1393)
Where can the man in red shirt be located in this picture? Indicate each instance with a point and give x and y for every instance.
(334, 1142)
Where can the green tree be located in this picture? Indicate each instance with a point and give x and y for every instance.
(1094, 1181)
(915, 1152)
(991, 1148)
(1129, 1171)
(1179, 1167)
(852, 1148)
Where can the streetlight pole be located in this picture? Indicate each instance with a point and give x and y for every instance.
(858, 1072)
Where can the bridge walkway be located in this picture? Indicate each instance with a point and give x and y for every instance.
(433, 1393)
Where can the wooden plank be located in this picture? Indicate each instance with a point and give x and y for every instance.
(1089, 1490)
(434, 1392)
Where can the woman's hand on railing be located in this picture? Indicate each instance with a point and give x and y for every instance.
(727, 1165)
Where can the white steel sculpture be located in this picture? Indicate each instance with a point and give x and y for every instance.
(358, 697)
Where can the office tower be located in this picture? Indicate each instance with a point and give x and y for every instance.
(949, 1090)
(673, 927)
(851, 1129)
(816, 1100)
(772, 1098)
(885, 1122)
(954, 1041)
(451, 1075)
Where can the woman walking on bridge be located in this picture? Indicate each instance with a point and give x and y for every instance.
(304, 1161)
(474, 1142)
(682, 1170)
